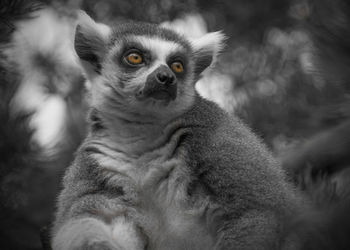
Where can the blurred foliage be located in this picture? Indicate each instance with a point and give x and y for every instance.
(285, 71)
(109, 11)
(290, 73)
(245, 21)
(29, 178)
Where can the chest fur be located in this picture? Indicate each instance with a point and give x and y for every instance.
(157, 183)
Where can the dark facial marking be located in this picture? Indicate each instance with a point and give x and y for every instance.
(132, 47)
(161, 84)
(178, 57)
(203, 59)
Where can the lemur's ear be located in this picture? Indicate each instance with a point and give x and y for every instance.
(207, 49)
(90, 43)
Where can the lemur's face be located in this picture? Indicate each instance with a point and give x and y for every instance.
(142, 69)
(149, 73)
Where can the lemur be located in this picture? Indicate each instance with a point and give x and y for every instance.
(162, 167)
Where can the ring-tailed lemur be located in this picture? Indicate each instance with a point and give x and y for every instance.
(163, 168)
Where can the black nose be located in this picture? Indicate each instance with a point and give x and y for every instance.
(161, 84)
(165, 77)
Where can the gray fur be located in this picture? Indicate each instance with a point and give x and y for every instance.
(148, 29)
(195, 179)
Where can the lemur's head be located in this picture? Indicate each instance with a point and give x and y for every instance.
(138, 69)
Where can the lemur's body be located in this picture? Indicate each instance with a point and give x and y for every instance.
(167, 169)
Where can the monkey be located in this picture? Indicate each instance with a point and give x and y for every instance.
(161, 167)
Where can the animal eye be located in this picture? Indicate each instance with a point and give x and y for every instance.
(177, 67)
(134, 58)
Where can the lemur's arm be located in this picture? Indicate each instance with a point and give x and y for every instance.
(254, 230)
(95, 222)
(90, 216)
(245, 223)
(249, 186)
(248, 222)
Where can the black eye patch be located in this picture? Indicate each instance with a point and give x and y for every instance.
(178, 57)
(132, 46)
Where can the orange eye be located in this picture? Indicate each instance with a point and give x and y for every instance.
(134, 58)
(177, 67)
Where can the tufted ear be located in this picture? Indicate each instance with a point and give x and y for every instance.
(207, 49)
(91, 43)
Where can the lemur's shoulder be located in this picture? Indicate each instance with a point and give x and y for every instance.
(220, 127)
(229, 156)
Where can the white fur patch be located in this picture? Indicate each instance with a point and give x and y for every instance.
(191, 25)
(163, 48)
(126, 235)
(78, 233)
(211, 42)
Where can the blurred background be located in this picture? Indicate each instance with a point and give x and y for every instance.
(285, 71)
